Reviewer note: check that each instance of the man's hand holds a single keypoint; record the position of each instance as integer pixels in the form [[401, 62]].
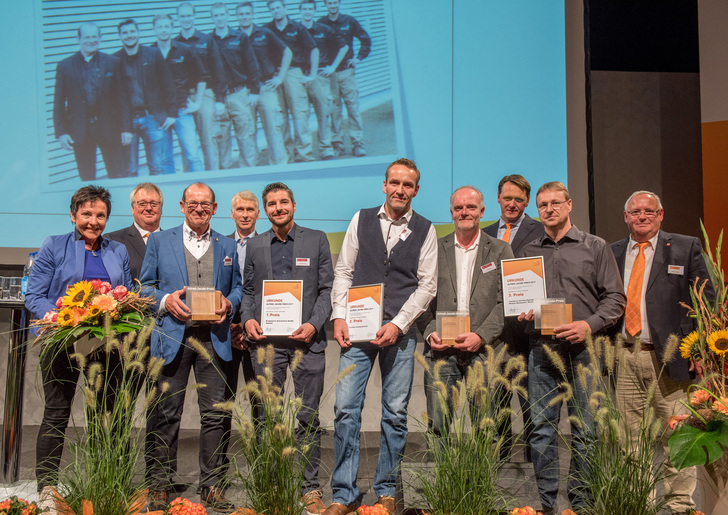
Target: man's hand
[[326, 71], [168, 122], [126, 138], [237, 337], [306, 79], [175, 307], [341, 333], [192, 107], [353, 62], [528, 317], [468, 342], [575, 332], [66, 142], [219, 109], [436, 342], [252, 100], [254, 331], [697, 367], [304, 333], [387, 335], [225, 309], [273, 82]]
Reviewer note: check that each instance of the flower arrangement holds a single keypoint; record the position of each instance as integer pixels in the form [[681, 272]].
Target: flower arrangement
[[182, 506], [17, 506], [85, 309], [705, 428], [377, 509], [526, 510]]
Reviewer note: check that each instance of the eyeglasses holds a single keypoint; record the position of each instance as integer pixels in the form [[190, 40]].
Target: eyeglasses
[[144, 204], [647, 213], [517, 200], [207, 206], [555, 205]]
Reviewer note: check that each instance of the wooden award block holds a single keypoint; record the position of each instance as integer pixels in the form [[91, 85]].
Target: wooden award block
[[450, 325], [554, 315], [203, 302]]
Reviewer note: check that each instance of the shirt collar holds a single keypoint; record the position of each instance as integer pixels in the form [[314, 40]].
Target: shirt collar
[[502, 223], [572, 234], [191, 235], [244, 240], [473, 246], [143, 231], [382, 213], [652, 241], [289, 236]]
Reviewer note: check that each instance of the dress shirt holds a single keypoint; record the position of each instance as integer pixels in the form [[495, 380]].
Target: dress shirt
[[464, 262], [514, 227], [581, 268], [242, 250], [417, 303], [144, 233], [281, 255], [630, 256]]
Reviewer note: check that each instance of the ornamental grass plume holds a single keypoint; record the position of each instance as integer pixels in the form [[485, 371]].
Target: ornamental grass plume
[[466, 455]]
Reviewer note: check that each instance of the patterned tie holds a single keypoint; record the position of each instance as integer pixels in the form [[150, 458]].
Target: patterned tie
[[507, 235], [633, 314]]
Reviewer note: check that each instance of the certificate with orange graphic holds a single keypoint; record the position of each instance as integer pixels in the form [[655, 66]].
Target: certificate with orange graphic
[[364, 312], [523, 283], [280, 313]]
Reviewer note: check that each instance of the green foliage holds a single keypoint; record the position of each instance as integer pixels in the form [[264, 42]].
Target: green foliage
[[690, 446]]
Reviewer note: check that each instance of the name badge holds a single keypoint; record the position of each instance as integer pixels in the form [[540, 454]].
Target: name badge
[[405, 234], [303, 261], [488, 268], [675, 269], [227, 261]]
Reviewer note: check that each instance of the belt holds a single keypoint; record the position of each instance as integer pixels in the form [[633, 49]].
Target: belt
[[642, 346], [140, 112], [235, 89]]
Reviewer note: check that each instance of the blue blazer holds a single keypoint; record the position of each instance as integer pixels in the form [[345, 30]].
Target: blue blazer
[[60, 263], [165, 270]]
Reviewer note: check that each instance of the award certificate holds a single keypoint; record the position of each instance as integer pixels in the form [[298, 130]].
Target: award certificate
[[364, 312], [280, 313], [523, 283]]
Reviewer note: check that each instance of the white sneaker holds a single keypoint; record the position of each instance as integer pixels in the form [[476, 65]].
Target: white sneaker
[[47, 501]]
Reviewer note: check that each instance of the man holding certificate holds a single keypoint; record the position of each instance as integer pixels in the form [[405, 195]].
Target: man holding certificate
[[394, 246], [580, 268], [469, 283], [287, 299]]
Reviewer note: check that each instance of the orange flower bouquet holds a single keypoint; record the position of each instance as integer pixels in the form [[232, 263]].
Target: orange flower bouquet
[[17, 506], [182, 506], [526, 510], [94, 309]]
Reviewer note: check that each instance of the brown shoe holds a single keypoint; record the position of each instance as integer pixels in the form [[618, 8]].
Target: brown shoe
[[213, 497], [313, 503], [336, 508], [158, 500], [387, 501]]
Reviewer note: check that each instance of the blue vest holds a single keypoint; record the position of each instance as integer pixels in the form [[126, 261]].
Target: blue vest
[[398, 270]]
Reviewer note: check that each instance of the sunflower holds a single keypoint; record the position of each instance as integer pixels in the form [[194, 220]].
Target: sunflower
[[65, 317], [93, 311], [718, 342], [686, 347], [78, 294]]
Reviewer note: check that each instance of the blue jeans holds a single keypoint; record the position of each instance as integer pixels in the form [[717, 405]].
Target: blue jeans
[[543, 385], [186, 131], [156, 147], [396, 363]]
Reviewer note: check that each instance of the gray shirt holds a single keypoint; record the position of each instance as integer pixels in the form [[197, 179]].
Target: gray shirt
[[581, 268]]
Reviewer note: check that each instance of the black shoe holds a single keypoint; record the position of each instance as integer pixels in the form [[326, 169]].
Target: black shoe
[[179, 487], [547, 511], [213, 497], [158, 501], [339, 149], [358, 150]]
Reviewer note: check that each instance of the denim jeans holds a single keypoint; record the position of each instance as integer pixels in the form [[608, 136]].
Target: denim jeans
[[543, 385], [396, 363], [186, 131], [156, 147]]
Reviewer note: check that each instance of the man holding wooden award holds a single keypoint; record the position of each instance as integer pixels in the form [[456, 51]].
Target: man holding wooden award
[[193, 274], [580, 269], [288, 276], [467, 313]]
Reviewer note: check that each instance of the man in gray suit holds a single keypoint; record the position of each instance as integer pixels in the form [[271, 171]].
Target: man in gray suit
[[658, 268], [468, 280], [517, 228], [290, 252], [146, 207]]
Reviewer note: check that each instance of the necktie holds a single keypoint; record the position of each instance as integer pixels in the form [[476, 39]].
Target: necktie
[[633, 314], [507, 235], [145, 238]]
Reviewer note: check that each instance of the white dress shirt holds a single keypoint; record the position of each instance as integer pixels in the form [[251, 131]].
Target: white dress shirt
[[144, 233], [630, 256], [417, 303], [464, 263]]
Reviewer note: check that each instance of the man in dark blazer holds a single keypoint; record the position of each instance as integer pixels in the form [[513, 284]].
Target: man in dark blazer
[[291, 252], [146, 208], [87, 106], [658, 269], [150, 99], [190, 255], [517, 228], [468, 280]]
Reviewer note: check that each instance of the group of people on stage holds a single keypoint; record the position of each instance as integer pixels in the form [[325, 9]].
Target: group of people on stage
[[634, 287], [199, 85]]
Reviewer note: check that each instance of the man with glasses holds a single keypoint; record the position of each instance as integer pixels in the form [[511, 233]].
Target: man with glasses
[[658, 268], [516, 228], [193, 255], [580, 268], [146, 208]]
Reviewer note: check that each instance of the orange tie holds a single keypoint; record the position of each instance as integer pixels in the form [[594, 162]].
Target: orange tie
[[507, 235], [633, 314]]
